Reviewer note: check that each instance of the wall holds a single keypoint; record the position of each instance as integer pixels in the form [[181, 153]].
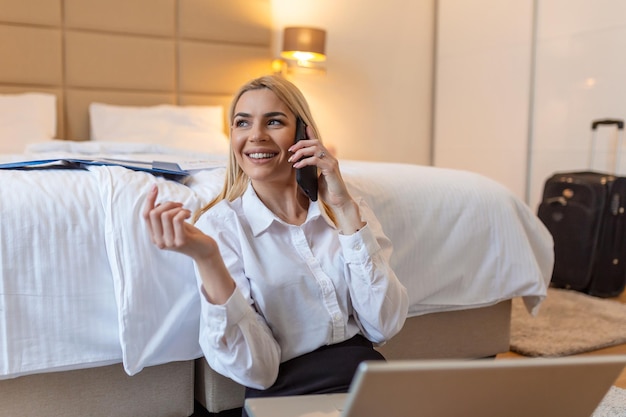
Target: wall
[[580, 70], [483, 85], [516, 83], [381, 94], [375, 101]]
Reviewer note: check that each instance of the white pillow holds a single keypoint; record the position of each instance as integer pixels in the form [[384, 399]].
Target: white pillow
[[194, 128], [25, 119]]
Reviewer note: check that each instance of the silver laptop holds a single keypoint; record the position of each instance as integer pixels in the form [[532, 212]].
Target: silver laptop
[[520, 387]]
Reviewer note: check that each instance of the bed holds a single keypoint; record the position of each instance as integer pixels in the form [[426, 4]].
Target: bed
[[92, 321]]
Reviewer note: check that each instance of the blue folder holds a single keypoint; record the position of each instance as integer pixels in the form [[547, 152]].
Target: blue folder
[[169, 170]]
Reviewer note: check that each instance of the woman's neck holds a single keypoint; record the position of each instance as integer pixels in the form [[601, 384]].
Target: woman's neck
[[288, 204]]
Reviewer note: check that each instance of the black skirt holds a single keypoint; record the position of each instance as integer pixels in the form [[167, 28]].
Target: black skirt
[[328, 369]]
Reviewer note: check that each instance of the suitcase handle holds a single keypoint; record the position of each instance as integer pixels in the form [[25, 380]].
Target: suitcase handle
[[617, 151], [618, 122]]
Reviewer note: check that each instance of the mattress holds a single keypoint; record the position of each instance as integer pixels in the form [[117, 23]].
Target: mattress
[[81, 285]]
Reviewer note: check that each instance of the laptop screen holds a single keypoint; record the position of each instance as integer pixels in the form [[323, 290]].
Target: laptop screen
[[519, 387], [523, 387]]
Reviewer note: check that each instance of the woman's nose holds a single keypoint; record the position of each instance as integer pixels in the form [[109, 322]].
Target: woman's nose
[[258, 133]]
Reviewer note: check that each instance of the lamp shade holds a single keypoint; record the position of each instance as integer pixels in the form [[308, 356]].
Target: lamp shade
[[304, 44]]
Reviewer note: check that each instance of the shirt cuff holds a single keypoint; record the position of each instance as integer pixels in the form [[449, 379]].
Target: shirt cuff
[[220, 317], [359, 247]]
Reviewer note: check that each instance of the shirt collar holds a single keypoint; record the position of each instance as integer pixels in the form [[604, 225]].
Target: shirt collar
[[260, 217]]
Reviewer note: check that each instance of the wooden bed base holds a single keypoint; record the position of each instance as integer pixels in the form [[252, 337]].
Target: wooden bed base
[[168, 390], [164, 390], [464, 334]]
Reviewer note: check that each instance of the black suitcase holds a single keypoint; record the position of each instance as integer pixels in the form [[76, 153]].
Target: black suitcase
[[584, 212]]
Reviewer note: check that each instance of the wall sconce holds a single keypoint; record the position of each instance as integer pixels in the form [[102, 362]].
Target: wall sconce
[[304, 49]]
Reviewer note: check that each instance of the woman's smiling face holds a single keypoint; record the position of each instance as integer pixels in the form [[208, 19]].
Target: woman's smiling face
[[263, 130]]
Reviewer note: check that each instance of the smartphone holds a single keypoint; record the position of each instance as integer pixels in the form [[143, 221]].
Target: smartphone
[[307, 176]]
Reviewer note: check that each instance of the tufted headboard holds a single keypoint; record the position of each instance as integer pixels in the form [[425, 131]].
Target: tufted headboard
[[131, 52]]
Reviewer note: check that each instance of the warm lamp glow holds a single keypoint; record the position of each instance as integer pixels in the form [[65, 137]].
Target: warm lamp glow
[[304, 44]]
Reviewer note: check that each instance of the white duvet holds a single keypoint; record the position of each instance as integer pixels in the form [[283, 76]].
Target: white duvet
[[81, 285]]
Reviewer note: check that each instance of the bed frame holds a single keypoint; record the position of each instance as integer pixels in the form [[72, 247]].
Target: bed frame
[[463, 334], [185, 52]]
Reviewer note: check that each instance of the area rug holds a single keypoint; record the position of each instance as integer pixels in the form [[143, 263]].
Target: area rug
[[568, 323]]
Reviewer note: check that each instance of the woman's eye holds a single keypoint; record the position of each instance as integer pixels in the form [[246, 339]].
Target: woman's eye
[[274, 122], [241, 123]]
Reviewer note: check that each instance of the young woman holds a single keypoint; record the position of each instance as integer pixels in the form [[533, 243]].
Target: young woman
[[294, 292]]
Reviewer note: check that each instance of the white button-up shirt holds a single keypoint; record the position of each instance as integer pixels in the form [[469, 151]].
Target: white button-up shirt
[[298, 288]]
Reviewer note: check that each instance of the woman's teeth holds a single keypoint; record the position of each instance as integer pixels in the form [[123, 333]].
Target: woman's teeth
[[259, 155]]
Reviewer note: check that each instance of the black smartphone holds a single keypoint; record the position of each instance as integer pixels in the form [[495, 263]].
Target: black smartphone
[[307, 176]]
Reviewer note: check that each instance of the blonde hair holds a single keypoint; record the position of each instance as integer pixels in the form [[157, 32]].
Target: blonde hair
[[236, 181]]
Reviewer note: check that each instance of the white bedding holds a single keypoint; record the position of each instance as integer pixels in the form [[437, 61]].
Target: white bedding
[[81, 285]]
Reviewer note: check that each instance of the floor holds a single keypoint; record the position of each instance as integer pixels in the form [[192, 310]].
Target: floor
[[202, 412], [615, 350]]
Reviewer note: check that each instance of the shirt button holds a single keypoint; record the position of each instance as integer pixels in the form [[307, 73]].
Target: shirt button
[[357, 246], [336, 317]]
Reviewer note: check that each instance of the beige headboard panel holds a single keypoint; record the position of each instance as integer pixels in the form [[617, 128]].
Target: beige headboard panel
[[131, 52]]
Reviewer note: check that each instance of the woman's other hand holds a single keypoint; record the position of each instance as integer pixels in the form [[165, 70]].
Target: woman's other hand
[[169, 229]]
